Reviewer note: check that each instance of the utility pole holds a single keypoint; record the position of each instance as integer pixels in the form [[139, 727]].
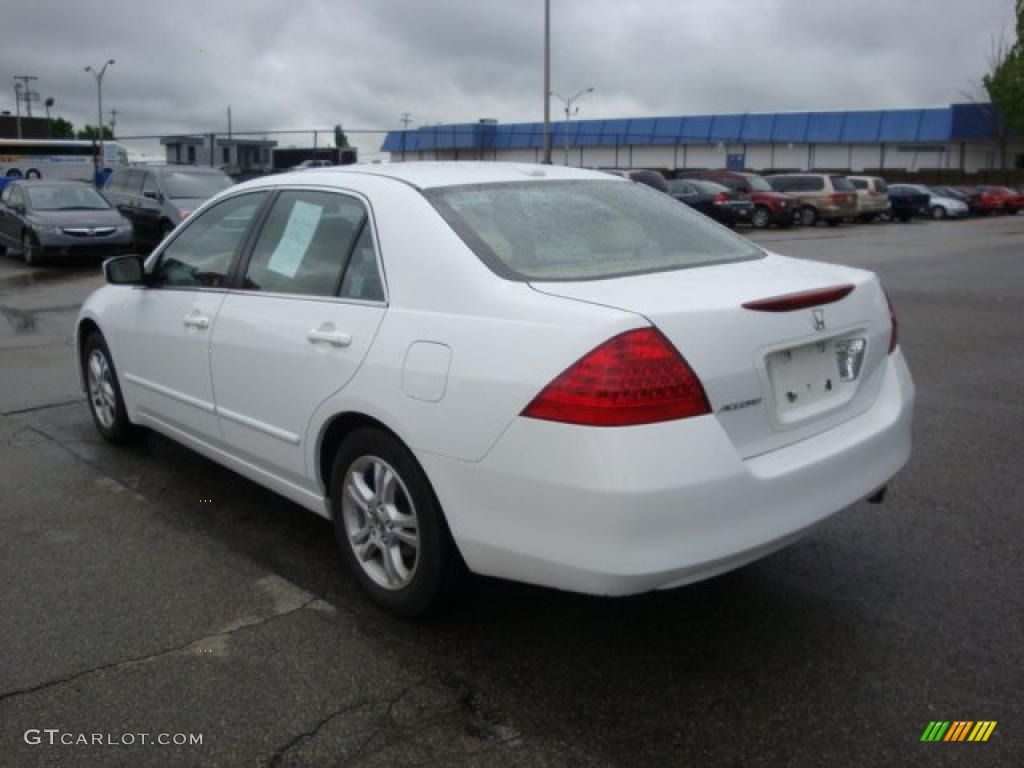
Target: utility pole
[[406, 119], [49, 126], [547, 82], [17, 104], [113, 121], [28, 94]]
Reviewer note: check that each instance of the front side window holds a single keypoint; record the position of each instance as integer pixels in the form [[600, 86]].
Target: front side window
[[583, 230], [149, 186], [758, 184], [201, 256], [133, 183], [305, 243]]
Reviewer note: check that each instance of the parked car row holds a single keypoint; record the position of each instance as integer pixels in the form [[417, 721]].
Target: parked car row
[[133, 212], [740, 197]]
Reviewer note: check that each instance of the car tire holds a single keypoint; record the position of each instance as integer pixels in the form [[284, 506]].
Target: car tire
[[31, 253], [808, 216], [14, 173], [400, 550], [938, 212], [904, 218], [833, 222], [32, 173], [103, 389], [761, 217]]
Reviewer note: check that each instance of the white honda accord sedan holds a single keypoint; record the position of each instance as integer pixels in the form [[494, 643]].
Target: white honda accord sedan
[[543, 374]]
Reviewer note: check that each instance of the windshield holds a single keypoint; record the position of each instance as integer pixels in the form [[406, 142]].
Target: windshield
[[73, 197], [583, 230], [759, 185], [203, 185]]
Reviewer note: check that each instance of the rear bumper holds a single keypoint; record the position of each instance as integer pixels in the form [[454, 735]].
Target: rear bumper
[[621, 511]]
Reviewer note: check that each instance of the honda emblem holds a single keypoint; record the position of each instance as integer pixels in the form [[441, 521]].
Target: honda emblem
[[818, 317]]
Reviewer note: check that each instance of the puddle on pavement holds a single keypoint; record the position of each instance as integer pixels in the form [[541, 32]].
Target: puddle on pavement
[[43, 277]]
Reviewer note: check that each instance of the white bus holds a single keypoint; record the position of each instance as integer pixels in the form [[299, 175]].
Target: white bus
[[56, 159]]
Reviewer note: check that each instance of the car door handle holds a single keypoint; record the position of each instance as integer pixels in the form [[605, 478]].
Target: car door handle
[[327, 333], [196, 320]]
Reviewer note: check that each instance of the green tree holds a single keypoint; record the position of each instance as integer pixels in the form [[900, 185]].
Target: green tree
[[89, 133], [1004, 85], [61, 129], [340, 139]]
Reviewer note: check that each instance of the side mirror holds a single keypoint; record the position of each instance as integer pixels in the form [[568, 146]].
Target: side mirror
[[124, 270]]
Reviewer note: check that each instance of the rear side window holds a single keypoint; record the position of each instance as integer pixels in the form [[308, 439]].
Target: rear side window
[[841, 184], [859, 183], [881, 186], [306, 243], [583, 230], [783, 183]]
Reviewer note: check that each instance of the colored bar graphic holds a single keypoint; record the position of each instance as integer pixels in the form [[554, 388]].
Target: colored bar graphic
[[958, 730], [935, 730]]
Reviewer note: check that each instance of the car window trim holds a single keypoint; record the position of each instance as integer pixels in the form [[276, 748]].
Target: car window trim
[[236, 282], [151, 264]]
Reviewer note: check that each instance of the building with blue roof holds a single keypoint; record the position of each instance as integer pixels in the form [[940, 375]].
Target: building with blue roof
[[958, 137]]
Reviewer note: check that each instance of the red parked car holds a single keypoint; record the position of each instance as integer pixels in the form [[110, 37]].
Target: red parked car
[[770, 207], [993, 199]]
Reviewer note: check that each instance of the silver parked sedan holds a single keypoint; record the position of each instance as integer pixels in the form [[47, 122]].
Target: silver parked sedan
[[60, 218]]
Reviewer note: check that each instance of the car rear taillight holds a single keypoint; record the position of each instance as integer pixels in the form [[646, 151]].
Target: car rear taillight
[[721, 198], [894, 334], [637, 377]]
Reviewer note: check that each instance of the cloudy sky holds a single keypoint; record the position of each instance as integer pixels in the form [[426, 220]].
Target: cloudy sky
[[314, 63]]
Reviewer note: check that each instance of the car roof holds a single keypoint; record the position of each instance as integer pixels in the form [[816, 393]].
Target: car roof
[[427, 175]]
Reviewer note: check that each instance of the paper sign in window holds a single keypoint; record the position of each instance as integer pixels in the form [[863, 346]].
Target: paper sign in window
[[295, 240]]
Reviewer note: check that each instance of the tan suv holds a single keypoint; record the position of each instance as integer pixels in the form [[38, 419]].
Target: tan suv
[[872, 197], [823, 196]]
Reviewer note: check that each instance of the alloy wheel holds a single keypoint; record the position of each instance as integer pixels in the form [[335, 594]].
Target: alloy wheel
[[381, 522], [102, 397]]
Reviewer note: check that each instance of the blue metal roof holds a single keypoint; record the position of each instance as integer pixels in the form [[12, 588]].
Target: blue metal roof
[[942, 124]]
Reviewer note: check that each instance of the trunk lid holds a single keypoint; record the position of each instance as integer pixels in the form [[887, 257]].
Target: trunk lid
[[772, 377]]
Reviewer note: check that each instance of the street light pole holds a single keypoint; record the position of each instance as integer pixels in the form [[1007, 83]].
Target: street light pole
[[569, 112], [547, 82], [99, 99]]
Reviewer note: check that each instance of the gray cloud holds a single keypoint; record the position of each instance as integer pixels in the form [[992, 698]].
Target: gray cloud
[[311, 63]]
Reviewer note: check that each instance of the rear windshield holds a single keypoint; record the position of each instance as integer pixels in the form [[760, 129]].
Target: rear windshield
[[182, 184], [583, 230], [759, 185], [841, 184], [881, 186]]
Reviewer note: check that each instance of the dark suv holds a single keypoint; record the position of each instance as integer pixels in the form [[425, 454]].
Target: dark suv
[[770, 206], [156, 198]]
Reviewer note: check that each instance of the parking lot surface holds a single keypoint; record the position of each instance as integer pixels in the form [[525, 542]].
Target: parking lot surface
[[148, 590]]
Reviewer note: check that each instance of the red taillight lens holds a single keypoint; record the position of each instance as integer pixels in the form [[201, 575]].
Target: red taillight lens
[[637, 377], [894, 334], [803, 300], [721, 198]]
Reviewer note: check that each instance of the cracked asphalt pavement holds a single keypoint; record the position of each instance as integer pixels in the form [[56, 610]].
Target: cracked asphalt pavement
[[129, 606]]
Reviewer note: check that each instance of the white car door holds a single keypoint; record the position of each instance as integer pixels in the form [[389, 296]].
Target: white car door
[[307, 309], [165, 327]]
